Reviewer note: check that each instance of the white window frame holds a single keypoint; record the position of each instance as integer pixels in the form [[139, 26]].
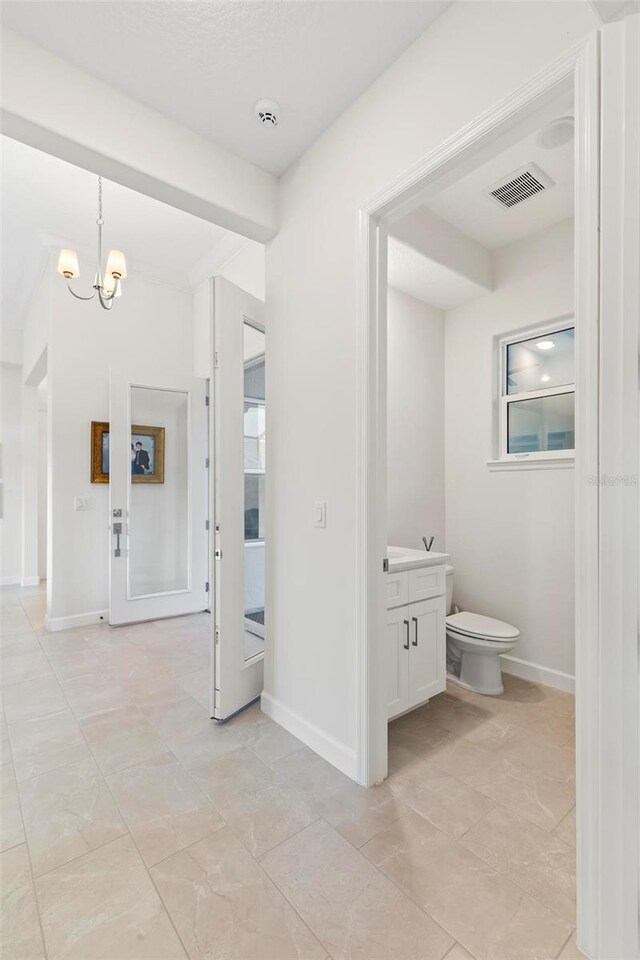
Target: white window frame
[[541, 457]]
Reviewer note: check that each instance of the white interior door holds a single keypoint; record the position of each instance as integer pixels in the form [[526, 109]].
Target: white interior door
[[157, 455], [239, 479]]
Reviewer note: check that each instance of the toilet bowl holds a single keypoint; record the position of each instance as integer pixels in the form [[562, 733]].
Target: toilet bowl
[[474, 646]]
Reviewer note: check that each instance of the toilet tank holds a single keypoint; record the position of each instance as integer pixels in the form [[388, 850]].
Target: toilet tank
[[448, 569]]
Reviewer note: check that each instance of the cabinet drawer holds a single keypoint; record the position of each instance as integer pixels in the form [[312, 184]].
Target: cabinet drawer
[[397, 589], [427, 582]]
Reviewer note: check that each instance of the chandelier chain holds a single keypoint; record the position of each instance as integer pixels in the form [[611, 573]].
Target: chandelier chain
[[100, 220]]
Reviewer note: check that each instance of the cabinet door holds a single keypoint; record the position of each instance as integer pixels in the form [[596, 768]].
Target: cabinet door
[[427, 660], [396, 644]]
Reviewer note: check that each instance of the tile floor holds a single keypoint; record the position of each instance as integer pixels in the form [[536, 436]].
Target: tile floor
[[133, 827]]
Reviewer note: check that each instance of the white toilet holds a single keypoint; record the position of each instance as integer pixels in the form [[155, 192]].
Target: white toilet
[[474, 645]]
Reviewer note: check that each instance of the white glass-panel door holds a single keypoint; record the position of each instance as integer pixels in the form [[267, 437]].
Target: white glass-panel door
[[239, 504], [157, 451]]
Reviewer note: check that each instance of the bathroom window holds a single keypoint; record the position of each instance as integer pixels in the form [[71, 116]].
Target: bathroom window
[[537, 394]]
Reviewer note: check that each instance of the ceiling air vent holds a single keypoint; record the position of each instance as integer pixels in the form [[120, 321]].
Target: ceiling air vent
[[520, 185]]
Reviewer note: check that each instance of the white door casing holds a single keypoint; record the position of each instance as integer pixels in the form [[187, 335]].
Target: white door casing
[[162, 567]]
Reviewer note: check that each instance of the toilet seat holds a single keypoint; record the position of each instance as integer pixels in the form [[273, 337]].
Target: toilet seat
[[475, 626]]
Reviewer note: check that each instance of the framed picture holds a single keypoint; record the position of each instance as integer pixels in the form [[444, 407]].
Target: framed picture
[[147, 453]]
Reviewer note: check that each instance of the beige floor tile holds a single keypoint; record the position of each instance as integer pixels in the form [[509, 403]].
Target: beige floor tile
[[33, 698], [484, 911], [417, 735], [40, 744], [124, 660], [458, 952], [20, 933], [69, 666], [566, 829], [355, 911], [542, 799], [67, 813], [226, 908], [153, 691], [537, 861], [266, 739], [11, 827], [164, 808], [448, 803], [545, 758], [103, 906], [178, 720], [24, 643], [22, 667], [91, 694], [358, 814], [216, 741], [544, 726], [65, 642], [571, 952], [253, 800], [121, 738], [198, 686]]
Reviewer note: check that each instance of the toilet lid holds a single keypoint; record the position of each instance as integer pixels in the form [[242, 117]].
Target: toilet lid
[[475, 625]]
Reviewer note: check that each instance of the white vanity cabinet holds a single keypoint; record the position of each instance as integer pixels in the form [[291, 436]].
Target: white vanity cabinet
[[415, 640]]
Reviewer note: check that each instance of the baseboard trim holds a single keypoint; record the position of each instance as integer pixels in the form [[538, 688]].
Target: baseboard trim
[[332, 750], [9, 581], [30, 582], [54, 624], [538, 674]]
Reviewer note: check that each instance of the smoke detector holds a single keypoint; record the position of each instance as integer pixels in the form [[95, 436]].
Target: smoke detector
[[520, 185], [267, 113]]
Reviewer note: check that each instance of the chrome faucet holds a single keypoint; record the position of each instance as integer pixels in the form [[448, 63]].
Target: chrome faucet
[[428, 543]]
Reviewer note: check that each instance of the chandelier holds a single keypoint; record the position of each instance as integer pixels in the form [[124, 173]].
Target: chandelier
[[107, 286]]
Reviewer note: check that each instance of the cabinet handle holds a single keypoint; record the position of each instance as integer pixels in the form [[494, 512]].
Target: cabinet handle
[[415, 642], [406, 645]]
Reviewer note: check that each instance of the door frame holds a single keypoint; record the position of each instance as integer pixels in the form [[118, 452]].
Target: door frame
[[605, 857]]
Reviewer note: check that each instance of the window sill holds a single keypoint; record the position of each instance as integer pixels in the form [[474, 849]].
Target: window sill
[[532, 463]]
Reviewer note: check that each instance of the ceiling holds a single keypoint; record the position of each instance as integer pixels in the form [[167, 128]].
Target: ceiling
[[47, 202], [205, 64], [465, 205]]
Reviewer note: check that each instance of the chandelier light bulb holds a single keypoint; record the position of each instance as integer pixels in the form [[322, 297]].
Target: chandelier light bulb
[[68, 264], [116, 265]]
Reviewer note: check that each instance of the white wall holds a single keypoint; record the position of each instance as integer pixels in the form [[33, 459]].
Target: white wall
[[150, 325], [415, 422], [11, 473], [471, 57], [510, 534]]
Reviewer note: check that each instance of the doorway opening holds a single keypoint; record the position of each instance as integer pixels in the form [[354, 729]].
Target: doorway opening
[[123, 426], [479, 627]]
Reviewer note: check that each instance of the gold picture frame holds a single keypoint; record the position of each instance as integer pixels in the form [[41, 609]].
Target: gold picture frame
[[147, 462]]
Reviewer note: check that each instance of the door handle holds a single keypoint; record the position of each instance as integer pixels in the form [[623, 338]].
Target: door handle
[[415, 640], [406, 644], [117, 530]]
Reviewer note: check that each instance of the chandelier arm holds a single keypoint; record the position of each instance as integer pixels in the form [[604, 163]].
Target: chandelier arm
[[105, 301], [77, 295]]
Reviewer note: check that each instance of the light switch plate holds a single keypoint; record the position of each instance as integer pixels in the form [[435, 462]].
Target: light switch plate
[[81, 503], [320, 513]]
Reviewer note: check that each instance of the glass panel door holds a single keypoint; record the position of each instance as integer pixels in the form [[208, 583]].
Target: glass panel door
[[158, 449], [254, 486]]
